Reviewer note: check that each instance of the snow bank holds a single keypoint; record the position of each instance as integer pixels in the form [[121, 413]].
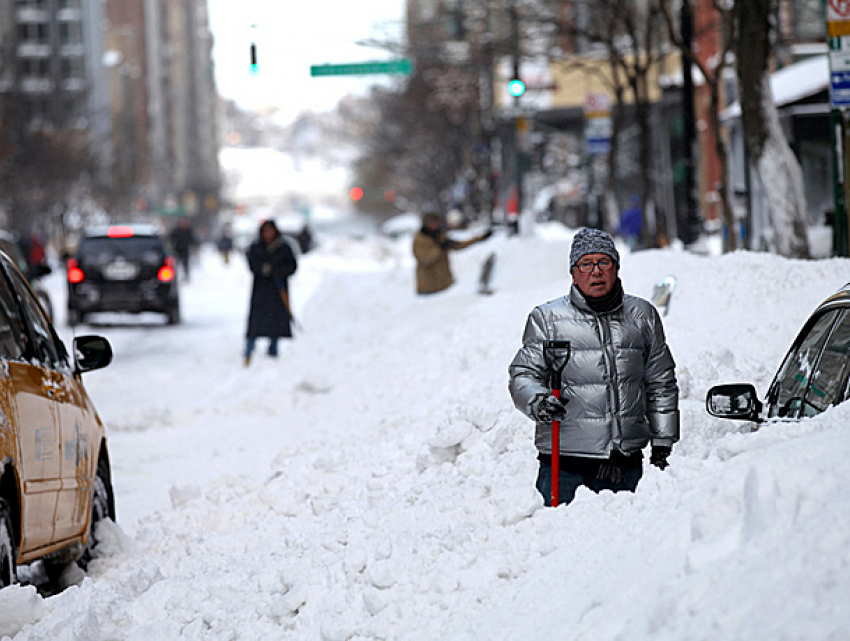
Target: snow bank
[[377, 483]]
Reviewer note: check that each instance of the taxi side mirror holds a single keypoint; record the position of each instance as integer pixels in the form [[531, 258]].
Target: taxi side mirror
[[91, 353]]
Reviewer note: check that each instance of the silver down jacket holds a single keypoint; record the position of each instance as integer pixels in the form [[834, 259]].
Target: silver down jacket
[[620, 378]]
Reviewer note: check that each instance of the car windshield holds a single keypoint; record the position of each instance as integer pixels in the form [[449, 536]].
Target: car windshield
[[800, 367], [135, 249]]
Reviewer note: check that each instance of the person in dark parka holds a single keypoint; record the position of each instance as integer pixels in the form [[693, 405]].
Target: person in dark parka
[[272, 262]]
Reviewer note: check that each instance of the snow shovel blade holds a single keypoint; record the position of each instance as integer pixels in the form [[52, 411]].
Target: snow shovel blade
[[553, 353], [662, 293], [486, 277]]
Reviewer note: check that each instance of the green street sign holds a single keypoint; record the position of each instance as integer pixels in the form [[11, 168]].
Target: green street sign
[[400, 66]]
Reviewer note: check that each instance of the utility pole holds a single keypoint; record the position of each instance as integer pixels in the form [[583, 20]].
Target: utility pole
[[838, 32], [690, 230], [838, 136]]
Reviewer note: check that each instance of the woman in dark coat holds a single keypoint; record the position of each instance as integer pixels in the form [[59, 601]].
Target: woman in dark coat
[[272, 262]]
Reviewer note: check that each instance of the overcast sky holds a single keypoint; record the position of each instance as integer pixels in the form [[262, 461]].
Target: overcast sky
[[291, 35]]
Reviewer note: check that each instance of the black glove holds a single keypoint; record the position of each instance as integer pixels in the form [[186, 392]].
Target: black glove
[[659, 456], [447, 244], [545, 408]]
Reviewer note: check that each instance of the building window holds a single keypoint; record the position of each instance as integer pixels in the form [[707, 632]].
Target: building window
[[71, 67], [34, 67], [30, 32], [71, 109], [38, 110], [807, 21], [69, 33]]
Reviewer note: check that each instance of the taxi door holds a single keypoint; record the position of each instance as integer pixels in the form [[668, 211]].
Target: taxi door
[[32, 419], [79, 456], [73, 431]]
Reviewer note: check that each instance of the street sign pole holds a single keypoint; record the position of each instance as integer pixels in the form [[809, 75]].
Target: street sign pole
[[597, 137], [838, 32]]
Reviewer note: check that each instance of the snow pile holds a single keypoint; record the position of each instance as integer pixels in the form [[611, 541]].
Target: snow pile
[[377, 482]]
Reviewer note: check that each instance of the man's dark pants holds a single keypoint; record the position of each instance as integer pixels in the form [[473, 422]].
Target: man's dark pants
[[570, 482]]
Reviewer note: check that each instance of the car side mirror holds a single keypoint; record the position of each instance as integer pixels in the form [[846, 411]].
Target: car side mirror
[[737, 401], [41, 270], [91, 353]]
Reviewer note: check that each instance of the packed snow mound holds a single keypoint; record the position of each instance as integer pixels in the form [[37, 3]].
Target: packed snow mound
[[377, 482]]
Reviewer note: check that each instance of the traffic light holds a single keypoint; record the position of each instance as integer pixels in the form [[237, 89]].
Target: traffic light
[[516, 87], [254, 66]]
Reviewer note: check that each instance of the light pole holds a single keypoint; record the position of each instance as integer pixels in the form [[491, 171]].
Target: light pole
[[513, 223], [691, 229]]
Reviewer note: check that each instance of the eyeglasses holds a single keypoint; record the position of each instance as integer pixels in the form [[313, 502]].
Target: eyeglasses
[[586, 266]]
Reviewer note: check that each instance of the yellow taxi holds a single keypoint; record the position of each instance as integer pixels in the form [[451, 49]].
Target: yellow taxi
[[55, 477]]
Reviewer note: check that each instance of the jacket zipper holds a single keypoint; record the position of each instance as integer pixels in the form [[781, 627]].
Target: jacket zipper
[[610, 363]]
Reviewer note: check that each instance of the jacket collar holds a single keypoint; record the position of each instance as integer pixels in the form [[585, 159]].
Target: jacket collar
[[579, 301]]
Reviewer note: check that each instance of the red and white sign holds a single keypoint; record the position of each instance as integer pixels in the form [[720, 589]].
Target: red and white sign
[[837, 10], [599, 103]]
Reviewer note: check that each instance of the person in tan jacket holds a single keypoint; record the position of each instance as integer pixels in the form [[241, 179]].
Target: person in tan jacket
[[431, 247]]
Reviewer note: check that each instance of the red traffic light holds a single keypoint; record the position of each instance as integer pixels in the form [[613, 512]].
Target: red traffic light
[[356, 193]]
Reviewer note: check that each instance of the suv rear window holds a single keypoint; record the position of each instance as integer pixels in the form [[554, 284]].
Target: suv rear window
[[135, 249]]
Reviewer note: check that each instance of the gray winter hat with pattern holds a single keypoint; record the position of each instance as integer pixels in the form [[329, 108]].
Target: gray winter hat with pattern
[[592, 241]]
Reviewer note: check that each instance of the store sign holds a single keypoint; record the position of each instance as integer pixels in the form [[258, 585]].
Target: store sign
[[839, 72], [838, 18]]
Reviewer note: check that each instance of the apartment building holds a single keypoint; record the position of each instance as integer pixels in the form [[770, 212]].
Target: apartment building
[[136, 76]]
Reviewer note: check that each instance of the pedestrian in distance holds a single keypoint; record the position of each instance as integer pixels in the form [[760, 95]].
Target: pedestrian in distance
[[431, 247], [183, 242], [616, 389], [630, 226], [225, 244], [272, 262]]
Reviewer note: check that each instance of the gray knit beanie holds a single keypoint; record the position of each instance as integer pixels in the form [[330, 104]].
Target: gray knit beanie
[[592, 241]]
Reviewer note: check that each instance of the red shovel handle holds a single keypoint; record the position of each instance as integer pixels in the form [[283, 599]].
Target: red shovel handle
[[556, 353], [556, 455]]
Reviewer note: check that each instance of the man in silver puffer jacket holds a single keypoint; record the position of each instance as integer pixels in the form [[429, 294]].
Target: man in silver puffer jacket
[[618, 388]]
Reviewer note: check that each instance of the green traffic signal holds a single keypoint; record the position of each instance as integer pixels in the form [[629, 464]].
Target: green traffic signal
[[254, 67], [516, 87]]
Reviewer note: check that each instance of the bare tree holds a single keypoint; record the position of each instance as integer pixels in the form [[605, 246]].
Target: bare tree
[[40, 169], [423, 136], [721, 26], [409, 149], [771, 157], [629, 34]]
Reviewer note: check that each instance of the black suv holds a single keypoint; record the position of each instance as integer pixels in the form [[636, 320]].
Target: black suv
[[122, 268], [814, 376]]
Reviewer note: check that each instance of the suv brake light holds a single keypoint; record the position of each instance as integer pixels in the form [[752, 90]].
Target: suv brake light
[[166, 273], [75, 274], [119, 231]]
